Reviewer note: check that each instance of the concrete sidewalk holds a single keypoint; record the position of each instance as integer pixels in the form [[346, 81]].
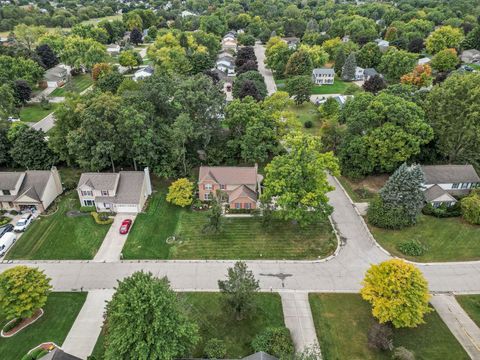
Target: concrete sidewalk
[[459, 323], [299, 320], [84, 333], [113, 243]]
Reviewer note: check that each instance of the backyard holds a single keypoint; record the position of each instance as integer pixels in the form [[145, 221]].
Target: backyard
[[76, 84], [471, 304], [35, 112], [61, 311], [447, 239], [239, 238], [58, 236], [342, 322], [307, 112]]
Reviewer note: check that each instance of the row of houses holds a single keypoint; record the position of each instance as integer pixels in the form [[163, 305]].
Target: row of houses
[[326, 76]]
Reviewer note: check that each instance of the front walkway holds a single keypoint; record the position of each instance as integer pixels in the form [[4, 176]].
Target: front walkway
[[84, 333], [459, 323], [299, 320], [113, 243]]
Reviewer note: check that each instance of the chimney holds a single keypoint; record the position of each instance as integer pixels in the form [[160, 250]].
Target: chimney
[[148, 182]]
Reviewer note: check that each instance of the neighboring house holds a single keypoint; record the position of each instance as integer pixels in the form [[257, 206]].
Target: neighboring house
[[113, 49], [443, 182], [292, 42], [29, 190], [186, 13], [230, 35], [229, 44], [323, 76], [382, 44], [342, 99], [346, 38], [471, 56], [369, 73], [359, 73], [424, 61], [226, 64], [122, 192], [143, 73], [55, 77], [240, 184], [260, 356], [58, 354]]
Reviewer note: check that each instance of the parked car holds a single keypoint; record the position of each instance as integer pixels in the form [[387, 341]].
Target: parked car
[[23, 223], [13, 119], [125, 227], [6, 241], [6, 228]]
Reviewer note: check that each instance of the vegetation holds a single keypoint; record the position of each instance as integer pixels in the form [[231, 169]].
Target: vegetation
[[471, 207], [35, 112], [76, 84], [275, 341], [471, 304], [180, 192]]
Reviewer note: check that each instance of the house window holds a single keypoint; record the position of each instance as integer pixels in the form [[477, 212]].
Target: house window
[[87, 193], [222, 187], [238, 206], [248, 206], [6, 192], [464, 185], [106, 205], [208, 186], [455, 186], [88, 202], [206, 196], [104, 192]]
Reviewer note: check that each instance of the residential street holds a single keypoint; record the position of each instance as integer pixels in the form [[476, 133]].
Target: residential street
[[267, 73], [46, 123]]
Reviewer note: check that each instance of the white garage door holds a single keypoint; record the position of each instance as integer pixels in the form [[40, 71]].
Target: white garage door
[[127, 209]]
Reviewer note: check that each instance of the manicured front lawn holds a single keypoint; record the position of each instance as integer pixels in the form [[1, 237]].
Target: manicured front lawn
[[34, 112], [449, 239], [77, 84], [58, 236], [342, 322], [239, 238], [307, 112], [471, 304], [61, 311], [338, 87]]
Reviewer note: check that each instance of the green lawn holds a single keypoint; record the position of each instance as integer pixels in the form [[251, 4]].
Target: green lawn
[[471, 304], [60, 313], [58, 236], [338, 87], [34, 112], [77, 84], [216, 321], [449, 239], [342, 322], [245, 238], [307, 112]]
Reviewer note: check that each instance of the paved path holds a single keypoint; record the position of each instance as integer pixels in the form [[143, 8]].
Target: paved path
[[459, 323], [299, 320], [85, 330], [267, 73], [112, 245], [46, 123]]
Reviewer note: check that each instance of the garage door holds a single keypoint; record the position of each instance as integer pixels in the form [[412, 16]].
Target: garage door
[[127, 209]]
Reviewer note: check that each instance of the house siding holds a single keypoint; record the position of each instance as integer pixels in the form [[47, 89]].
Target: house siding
[[243, 201], [52, 189]]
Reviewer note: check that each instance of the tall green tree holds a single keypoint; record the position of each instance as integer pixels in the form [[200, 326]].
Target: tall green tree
[[144, 321], [396, 63], [339, 61], [369, 55], [30, 150], [300, 87], [299, 63], [445, 60], [239, 290], [444, 37], [349, 68]]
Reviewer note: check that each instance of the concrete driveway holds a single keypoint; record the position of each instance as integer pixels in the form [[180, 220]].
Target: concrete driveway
[[45, 124], [113, 243], [267, 73]]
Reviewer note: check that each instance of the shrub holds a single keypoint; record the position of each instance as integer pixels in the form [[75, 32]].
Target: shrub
[[308, 124], [87, 209], [9, 326], [387, 217], [4, 220], [102, 218], [443, 211], [35, 354], [380, 337], [215, 349], [13, 212], [240, 211], [274, 341], [70, 184], [412, 248], [471, 207], [402, 353], [45, 103], [364, 193]]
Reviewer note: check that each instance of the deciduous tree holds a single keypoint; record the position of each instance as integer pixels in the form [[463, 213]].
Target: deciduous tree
[[300, 87], [444, 37], [445, 60], [23, 91], [46, 54], [30, 150], [299, 63], [420, 76], [180, 192], [396, 63], [136, 36]]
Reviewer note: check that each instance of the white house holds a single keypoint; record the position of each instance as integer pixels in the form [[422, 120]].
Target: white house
[[443, 182], [292, 42], [55, 77], [113, 49], [369, 73], [226, 64], [359, 73], [143, 73], [382, 44], [229, 44], [186, 13], [122, 192], [423, 61], [323, 76]]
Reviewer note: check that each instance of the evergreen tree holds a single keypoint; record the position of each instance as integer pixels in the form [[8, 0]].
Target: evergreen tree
[[136, 36], [348, 69], [339, 61]]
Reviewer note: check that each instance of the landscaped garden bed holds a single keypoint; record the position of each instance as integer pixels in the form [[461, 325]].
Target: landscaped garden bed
[[342, 322], [16, 325]]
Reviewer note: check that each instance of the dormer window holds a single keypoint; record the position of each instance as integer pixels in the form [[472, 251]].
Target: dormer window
[[6, 192], [208, 186], [104, 192], [87, 193]]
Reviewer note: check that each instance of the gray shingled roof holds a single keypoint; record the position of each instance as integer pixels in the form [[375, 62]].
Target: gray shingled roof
[[324, 71], [229, 175], [8, 179], [129, 188], [260, 356], [33, 185], [58, 354], [450, 174], [435, 192], [370, 72], [99, 181]]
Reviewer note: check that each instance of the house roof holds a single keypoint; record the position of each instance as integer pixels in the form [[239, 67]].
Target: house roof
[[33, 185], [323, 71], [260, 356], [449, 174], [100, 181], [58, 354], [55, 74], [148, 70], [436, 192], [370, 72], [229, 175], [8, 179], [242, 191], [129, 188]]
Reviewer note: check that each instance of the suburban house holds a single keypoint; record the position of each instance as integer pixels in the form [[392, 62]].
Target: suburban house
[[292, 42], [359, 73], [369, 73], [59, 354], [55, 77], [323, 76], [471, 56], [443, 182], [122, 192], [342, 99], [113, 49], [423, 61], [226, 64], [29, 190], [240, 184], [229, 44], [383, 45], [143, 73]]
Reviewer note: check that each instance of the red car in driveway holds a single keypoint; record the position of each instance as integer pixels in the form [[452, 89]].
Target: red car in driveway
[[126, 224]]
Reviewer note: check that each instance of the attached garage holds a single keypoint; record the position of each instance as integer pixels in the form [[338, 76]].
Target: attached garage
[[127, 208]]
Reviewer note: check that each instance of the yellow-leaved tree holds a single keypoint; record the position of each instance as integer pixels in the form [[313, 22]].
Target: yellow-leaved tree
[[398, 293], [180, 192]]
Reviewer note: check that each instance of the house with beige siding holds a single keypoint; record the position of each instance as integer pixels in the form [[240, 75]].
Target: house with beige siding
[[241, 185], [122, 192], [31, 190]]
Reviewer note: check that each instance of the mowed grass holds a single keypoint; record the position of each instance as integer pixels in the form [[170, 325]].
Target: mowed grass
[[342, 322], [338, 87], [77, 84], [307, 112], [471, 304], [448, 239], [239, 238], [34, 112], [58, 236], [61, 311]]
